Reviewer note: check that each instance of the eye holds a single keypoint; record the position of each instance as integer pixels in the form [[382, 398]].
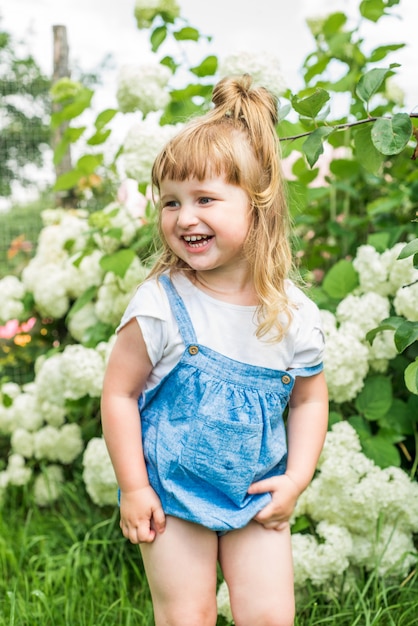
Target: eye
[[170, 204], [205, 200]]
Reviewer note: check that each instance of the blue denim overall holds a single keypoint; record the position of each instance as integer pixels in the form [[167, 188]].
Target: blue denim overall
[[210, 428]]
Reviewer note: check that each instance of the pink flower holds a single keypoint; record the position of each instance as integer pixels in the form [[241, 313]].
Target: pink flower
[[12, 328]]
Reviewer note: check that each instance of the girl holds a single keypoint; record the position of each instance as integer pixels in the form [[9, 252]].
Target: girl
[[214, 344]]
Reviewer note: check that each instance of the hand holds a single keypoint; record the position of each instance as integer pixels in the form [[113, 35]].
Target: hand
[[284, 493], [142, 516]]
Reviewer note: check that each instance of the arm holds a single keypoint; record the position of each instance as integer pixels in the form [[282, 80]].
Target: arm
[[306, 430], [127, 371]]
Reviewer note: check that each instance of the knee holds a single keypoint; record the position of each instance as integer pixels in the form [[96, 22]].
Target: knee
[[186, 615], [266, 617]]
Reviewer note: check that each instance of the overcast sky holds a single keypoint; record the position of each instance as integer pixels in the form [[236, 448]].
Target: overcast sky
[[98, 27]]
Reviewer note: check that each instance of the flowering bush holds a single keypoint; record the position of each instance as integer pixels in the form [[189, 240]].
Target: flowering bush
[[143, 88], [358, 515], [360, 510], [147, 10]]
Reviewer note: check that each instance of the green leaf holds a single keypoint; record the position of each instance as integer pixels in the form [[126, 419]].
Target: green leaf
[[370, 83], [157, 37], [104, 118], [313, 147], [87, 164], [169, 62], [372, 9], [405, 335], [390, 323], [207, 67], [408, 250], [375, 399], [381, 52], [82, 300], [381, 451], [310, 105], [341, 279], [366, 153], [118, 262], [187, 33], [67, 181], [391, 136], [99, 137], [80, 103]]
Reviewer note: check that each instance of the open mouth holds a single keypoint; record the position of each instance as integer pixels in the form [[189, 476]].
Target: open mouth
[[197, 241]]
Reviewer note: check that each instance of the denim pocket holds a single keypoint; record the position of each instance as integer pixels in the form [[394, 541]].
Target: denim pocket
[[224, 454]]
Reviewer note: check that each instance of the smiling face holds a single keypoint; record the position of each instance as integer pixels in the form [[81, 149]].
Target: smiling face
[[205, 223]]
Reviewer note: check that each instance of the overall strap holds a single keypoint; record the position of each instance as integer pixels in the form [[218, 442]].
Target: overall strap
[[179, 311]]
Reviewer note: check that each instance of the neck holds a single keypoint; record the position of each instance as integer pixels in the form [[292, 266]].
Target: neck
[[236, 290]]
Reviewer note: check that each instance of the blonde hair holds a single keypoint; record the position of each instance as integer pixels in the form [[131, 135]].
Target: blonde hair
[[237, 139]]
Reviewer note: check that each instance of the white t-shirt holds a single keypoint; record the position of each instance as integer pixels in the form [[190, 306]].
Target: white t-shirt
[[226, 328]]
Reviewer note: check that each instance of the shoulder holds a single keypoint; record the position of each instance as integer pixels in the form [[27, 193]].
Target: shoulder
[[303, 307], [149, 300]]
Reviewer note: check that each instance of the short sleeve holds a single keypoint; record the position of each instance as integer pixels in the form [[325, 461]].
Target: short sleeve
[[150, 308], [309, 335]]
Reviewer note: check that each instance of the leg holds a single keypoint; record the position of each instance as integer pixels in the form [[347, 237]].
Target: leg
[[257, 566], [181, 570]]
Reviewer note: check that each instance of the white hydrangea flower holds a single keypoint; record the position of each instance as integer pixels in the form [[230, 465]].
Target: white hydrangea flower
[[17, 472], [22, 443], [48, 283], [9, 389], [264, 68], [382, 350], [400, 271], [121, 218], [46, 441], [98, 474], [364, 312], [372, 270], [321, 561], [82, 320], [104, 348], [85, 275], [70, 443], [146, 10], [82, 371], [6, 420], [50, 384], [12, 291], [392, 554], [55, 216], [53, 414], [111, 301], [223, 602], [345, 365], [329, 322], [135, 274], [24, 412], [47, 486], [142, 144], [406, 302], [377, 507], [143, 88]]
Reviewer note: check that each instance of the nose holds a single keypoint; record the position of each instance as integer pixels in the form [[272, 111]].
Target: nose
[[186, 216]]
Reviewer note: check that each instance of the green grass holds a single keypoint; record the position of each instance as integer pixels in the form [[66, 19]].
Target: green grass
[[70, 566]]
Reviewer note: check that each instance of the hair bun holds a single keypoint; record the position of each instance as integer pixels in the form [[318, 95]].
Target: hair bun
[[235, 96]]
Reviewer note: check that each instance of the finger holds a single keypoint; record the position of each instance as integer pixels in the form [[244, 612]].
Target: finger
[[261, 486], [159, 520]]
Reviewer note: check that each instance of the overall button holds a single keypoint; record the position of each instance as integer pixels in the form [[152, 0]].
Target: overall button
[[193, 350], [286, 379]]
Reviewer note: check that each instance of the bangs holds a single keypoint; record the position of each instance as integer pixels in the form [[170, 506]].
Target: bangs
[[205, 151]]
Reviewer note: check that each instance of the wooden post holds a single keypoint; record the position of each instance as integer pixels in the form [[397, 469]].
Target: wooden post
[[61, 70]]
